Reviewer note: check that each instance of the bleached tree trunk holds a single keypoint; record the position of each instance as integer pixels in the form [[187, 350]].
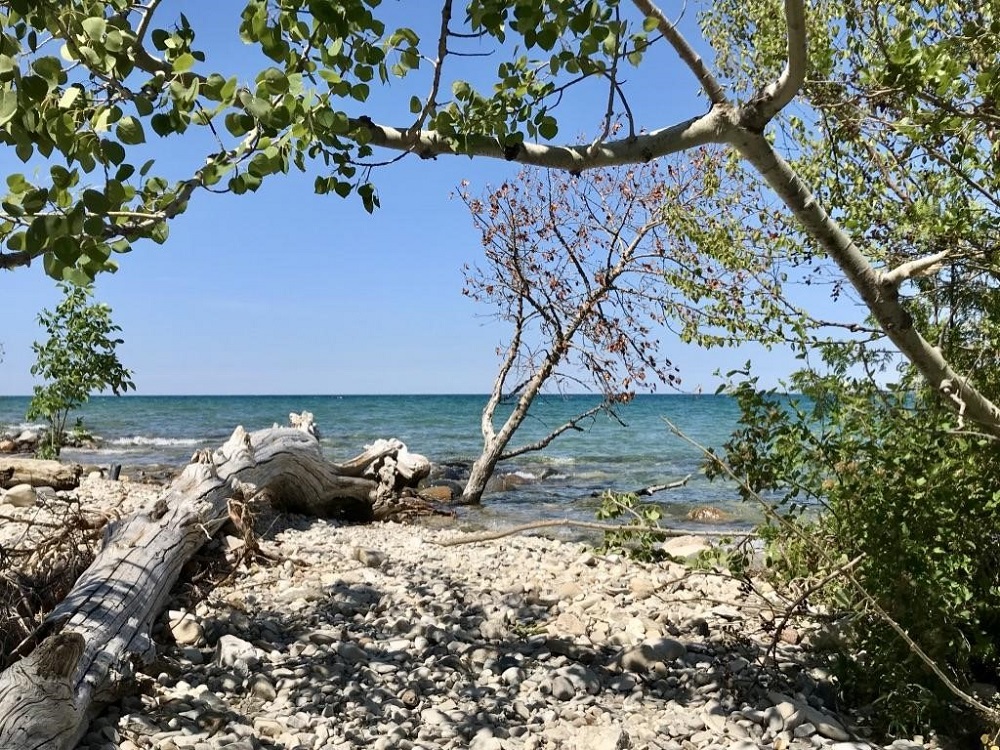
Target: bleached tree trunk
[[48, 698]]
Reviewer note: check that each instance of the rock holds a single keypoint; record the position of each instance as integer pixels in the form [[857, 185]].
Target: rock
[[582, 679], [605, 738], [21, 496], [648, 654], [708, 514], [562, 689], [8, 446], [27, 438], [262, 688], [370, 558], [642, 587], [186, 630], [826, 726], [568, 624], [685, 546], [236, 653], [438, 493], [352, 653]]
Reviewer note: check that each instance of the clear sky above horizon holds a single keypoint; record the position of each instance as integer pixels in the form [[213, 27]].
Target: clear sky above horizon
[[286, 292]]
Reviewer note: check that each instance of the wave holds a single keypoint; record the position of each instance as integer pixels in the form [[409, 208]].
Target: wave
[[22, 426], [158, 442]]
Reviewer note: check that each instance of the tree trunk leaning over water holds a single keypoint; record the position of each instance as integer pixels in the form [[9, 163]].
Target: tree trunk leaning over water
[[48, 698]]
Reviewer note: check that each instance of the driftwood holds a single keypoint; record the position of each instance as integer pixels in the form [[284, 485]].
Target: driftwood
[[101, 630], [567, 523], [653, 488], [38, 473]]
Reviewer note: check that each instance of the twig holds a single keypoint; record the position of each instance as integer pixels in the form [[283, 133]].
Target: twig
[[566, 522], [789, 611], [969, 700], [652, 489]]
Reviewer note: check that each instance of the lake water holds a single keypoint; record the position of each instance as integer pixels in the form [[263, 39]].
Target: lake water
[[560, 482]]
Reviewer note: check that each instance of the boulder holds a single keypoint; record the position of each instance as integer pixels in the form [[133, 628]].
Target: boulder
[[8, 446], [438, 493], [685, 546], [28, 437], [21, 496]]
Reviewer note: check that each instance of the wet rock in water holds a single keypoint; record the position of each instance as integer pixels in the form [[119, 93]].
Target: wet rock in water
[[438, 493], [709, 514]]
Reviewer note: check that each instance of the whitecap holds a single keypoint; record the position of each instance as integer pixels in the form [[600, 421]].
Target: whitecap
[[140, 440]]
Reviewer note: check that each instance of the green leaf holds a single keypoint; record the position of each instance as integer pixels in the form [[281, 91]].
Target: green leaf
[[8, 106], [183, 63], [130, 131], [69, 96], [94, 27], [159, 232]]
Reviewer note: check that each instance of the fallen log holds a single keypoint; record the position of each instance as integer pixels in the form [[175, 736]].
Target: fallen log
[[100, 633], [38, 473]]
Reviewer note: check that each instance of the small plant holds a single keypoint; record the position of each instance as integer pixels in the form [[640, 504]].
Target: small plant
[[78, 359], [635, 540]]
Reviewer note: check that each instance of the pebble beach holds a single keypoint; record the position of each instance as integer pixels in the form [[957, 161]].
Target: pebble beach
[[341, 637]]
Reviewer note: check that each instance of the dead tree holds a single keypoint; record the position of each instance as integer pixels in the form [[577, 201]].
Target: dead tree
[[101, 631]]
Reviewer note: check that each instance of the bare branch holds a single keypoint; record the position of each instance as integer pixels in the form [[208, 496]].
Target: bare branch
[[573, 424], [442, 52], [925, 266], [565, 522], [712, 87]]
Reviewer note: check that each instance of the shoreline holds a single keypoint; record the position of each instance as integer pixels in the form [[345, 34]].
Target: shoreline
[[377, 636]]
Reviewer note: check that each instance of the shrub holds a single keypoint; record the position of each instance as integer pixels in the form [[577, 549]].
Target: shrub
[[78, 359], [857, 469]]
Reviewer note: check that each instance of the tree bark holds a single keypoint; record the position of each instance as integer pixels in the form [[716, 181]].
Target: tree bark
[[38, 473], [48, 698]]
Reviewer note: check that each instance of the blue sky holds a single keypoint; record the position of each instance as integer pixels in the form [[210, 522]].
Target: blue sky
[[286, 292]]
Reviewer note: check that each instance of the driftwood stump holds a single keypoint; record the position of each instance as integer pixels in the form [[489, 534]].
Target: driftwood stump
[[48, 698], [38, 473]]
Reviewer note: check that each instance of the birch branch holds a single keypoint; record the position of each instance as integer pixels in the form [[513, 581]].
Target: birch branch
[[779, 93], [713, 89], [925, 266]]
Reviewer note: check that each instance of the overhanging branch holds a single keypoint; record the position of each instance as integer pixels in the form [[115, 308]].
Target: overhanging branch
[[712, 127]]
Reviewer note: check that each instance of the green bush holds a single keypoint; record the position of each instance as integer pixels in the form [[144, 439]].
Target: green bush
[[857, 469], [77, 359]]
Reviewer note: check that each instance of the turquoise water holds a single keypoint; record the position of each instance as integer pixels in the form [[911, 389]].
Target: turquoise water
[[559, 482]]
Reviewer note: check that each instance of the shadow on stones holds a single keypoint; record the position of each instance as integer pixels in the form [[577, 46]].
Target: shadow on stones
[[448, 664]]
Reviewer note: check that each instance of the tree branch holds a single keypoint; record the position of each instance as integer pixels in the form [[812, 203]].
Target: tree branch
[[776, 95], [565, 522], [712, 87], [919, 267], [442, 52], [712, 127], [573, 424]]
